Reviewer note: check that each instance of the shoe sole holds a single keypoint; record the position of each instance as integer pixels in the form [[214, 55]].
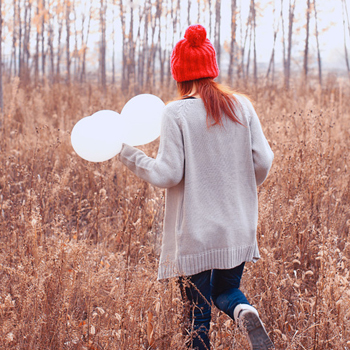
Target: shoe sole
[[256, 332]]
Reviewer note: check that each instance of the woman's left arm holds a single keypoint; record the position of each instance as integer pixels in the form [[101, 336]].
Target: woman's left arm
[[168, 168]]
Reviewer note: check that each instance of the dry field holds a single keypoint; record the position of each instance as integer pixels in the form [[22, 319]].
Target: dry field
[[80, 241]]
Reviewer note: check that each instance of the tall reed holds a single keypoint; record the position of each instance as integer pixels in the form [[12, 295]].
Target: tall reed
[[79, 242]]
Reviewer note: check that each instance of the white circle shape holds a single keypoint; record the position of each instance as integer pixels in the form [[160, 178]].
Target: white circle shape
[[97, 138], [142, 116]]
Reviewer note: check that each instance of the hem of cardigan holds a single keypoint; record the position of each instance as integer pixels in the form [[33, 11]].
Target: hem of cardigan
[[226, 258]]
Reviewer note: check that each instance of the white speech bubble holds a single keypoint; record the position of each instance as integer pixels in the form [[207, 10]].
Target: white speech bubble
[[142, 116], [99, 137]]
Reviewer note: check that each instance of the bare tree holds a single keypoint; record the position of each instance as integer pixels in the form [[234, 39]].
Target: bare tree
[[124, 46], [143, 49], [26, 40], [43, 53], [151, 56], [271, 67], [283, 40], [199, 12], [254, 40], [173, 19], [50, 38], [318, 47], [60, 19], [84, 42], [75, 52], [14, 41], [210, 24], [19, 38], [1, 89], [241, 69], [157, 17], [122, 20], [188, 12], [131, 49], [36, 56], [103, 10], [249, 50], [290, 42], [217, 31], [161, 51], [345, 17], [113, 41], [233, 38], [68, 4], [306, 50]]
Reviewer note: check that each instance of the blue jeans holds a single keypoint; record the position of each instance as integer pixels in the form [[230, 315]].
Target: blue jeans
[[220, 286]]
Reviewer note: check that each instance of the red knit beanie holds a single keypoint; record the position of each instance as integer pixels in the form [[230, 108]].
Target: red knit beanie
[[194, 56]]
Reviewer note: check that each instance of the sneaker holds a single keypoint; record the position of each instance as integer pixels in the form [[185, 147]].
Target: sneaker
[[259, 340]]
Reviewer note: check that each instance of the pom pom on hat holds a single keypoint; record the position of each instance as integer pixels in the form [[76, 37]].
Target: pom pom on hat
[[196, 35], [194, 57]]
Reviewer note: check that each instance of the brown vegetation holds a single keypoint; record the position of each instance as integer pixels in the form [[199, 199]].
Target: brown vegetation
[[79, 241]]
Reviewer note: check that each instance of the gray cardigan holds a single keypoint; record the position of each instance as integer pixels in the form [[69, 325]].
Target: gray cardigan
[[210, 174]]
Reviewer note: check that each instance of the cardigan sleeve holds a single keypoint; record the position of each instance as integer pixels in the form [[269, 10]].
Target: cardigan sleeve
[[262, 153], [168, 168]]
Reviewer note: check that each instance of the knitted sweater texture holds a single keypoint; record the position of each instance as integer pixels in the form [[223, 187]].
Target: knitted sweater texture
[[211, 174]]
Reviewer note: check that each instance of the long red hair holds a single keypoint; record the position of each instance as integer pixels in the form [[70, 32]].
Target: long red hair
[[218, 99]]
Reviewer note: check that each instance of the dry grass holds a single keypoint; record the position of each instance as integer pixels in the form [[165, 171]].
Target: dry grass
[[79, 241]]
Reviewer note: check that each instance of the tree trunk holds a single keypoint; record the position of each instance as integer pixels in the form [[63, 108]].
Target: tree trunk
[[23, 67], [26, 40], [19, 39], [345, 47], [233, 39], [283, 42], [67, 41], [161, 53], [36, 57], [240, 46], [43, 55], [1, 89], [113, 41], [198, 12], [76, 55], [306, 50], [58, 62], [218, 30], [242, 69], [14, 42], [50, 38], [210, 20], [141, 47], [170, 3], [103, 4], [318, 47], [249, 50], [151, 53], [290, 37], [254, 42], [272, 59], [189, 12], [84, 43], [143, 52], [154, 45], [131, 50], [124, 62]]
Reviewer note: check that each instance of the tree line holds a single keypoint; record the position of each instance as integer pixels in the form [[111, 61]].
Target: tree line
[[50, 39]]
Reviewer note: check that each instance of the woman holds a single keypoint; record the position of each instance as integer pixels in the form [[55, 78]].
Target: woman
[[211, 157]]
